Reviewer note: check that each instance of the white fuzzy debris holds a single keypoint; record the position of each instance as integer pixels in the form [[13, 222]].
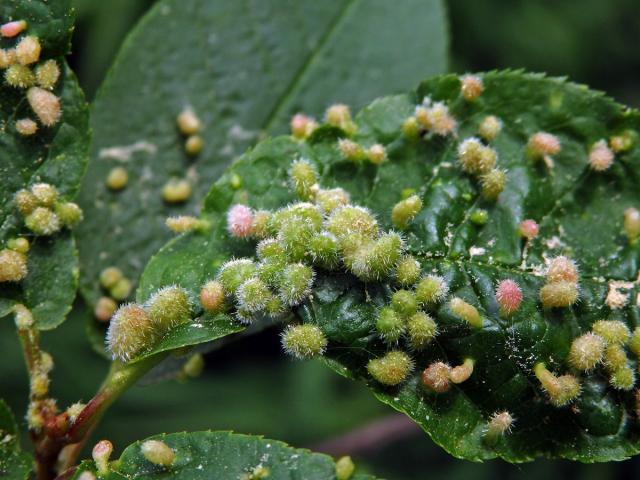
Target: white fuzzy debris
[[125, 152], [476, 251], [615, 298]]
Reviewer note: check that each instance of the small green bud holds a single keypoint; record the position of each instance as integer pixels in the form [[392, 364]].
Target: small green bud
[[404, 302], [559, 294], [303, 176], [623, 142], [323, 248], [431, 289], [45, 194], [351, 150], [104, 309], [623, 378], [110, 276], [47, 74], [405, 211], [632, 224], [131, 331], [407, 271], [158, 453], [234, 273], [332, 199], [411, 128], [436, 377], [421, 330], [295, 283], [176, 190], [344, 468], [499, 424], [169, 307], [101, 453], [466, 312], [121, 290], [489, 128], [561, 390], [69, 213], [351, 219], [493, 183], [476, 158], [13, 266], [117, 179], [193, 367], [253, 295], [612, 331], [19, 76], [304, 341], [390, 325], [586, 351], [20, 245], [391, 369], [42, 221], [25, 201], [479, 216], [462, 372], [212, 297]]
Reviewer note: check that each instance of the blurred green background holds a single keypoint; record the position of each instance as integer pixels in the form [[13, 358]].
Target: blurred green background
[[249, 386]]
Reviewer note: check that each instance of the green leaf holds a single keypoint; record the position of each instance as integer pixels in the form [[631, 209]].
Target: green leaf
[[57, 155], [245, 67], [14, 464], [204, 455], [580, 213]]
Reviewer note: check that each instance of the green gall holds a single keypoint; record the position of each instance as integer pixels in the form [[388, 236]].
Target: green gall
[[69, 213], [296, 213], [499, 424], [431, 289], [389, 325], [235, 181], [405, 211], [104, 309], [185, 223], [489, 128], [303, 176], [193, 145], [295, 282], [421, 330], [391, 369], [101, 453], [344, 468], [212, 297], [270, 248], [404, 302], [121, 290], [614, 358], [304, 341], [559, 294], [13, 266], [253, 295], [270, 270], [117, 179], [295, 237], [476, 158], [411, 128], [331, 199], [176, 190], [131, 331], [407, 271], [632, 224], [436, 377], [42, 221], [110, 276], [561, 390], [465, 311], [471, 86], [19, 76], [562, 269], [234, 273], [376, 154], [373, 260], [462, 372], [188, 122], [351, 150], [45, 105], [158, 453], [352, 219], [623, 379], [169, 307], [26, 127], [47, 74], [623, 142], [612, 331], [586, 352], [26, 202], [634, 342], [20, 245], [45, 194], [28, 50], [260, 226], [493, 183], [323, 248], [479, 216], [274, 307]]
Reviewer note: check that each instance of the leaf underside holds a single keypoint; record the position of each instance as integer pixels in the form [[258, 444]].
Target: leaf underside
[[207, 455], [57, 155], [580, 213], [245, 67]]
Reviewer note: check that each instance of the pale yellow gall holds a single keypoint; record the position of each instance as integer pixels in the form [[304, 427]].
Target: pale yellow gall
[[26, 126], [45, 105]]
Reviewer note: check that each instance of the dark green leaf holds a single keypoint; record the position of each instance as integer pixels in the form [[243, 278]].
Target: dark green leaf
[[14, 464]]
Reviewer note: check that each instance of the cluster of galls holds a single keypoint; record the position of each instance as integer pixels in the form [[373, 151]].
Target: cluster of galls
[[113, 281], [134, 328], [17, 63], [13, 260], [44, 212]]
